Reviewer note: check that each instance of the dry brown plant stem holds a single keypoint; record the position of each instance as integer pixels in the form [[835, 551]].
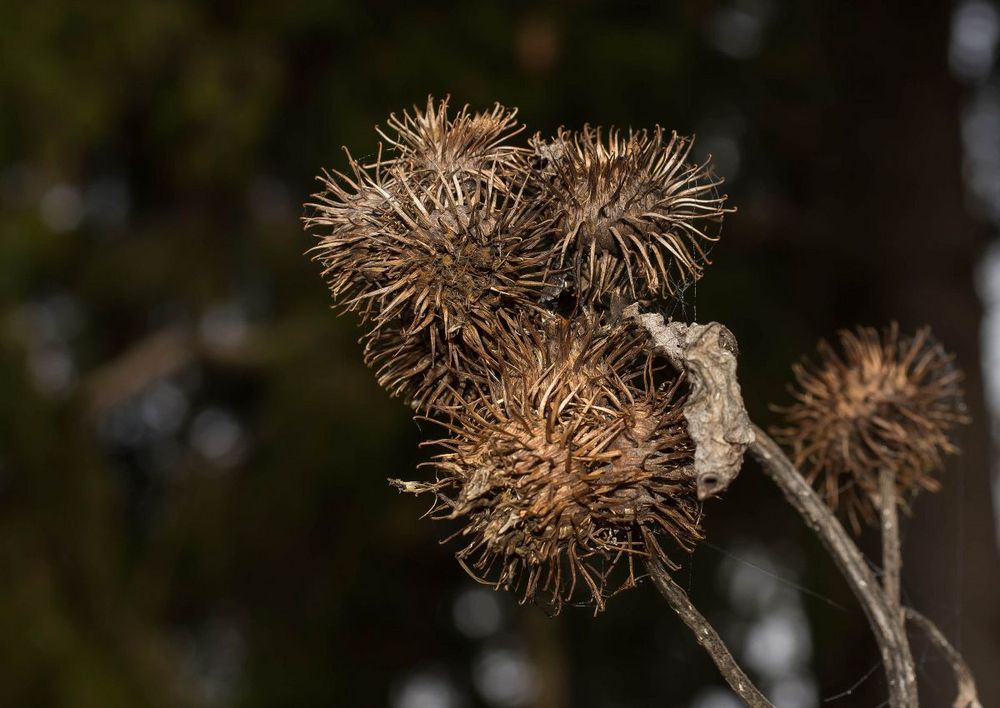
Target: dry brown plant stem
[[892, 560], [887, 503], [893, 646], [706, 635], [967, 696]]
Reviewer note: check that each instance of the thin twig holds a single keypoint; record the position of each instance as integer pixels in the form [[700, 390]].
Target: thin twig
[[891, 639], [967, 696], [891, 557], [706, 635], [886, 502]]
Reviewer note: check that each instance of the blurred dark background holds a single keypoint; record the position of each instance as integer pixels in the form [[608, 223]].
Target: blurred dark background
[[193, 460]]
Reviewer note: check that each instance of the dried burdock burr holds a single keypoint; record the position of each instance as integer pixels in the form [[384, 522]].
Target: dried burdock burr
[[426, 269], [563, 458], [463, 151], [632, 215], [882, 402]]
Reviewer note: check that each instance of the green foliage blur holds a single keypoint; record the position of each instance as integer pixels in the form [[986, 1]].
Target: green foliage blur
[[193, 505]]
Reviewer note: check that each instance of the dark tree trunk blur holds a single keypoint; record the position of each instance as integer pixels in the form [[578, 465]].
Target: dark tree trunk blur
[[900, 191]]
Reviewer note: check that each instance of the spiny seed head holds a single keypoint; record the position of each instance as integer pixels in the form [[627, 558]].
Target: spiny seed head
[[883, 401], [467, 149], [570, 453], [431, 381], [632, 215], [425, 268]]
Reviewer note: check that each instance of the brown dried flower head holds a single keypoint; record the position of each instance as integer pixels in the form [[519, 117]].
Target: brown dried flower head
[[469, 148], [425, 268], [888, 401], [567, 457], [632, 214]]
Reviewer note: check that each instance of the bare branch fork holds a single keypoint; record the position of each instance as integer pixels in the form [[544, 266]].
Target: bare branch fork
[[967, 696], [722, 431], [893, 647]]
